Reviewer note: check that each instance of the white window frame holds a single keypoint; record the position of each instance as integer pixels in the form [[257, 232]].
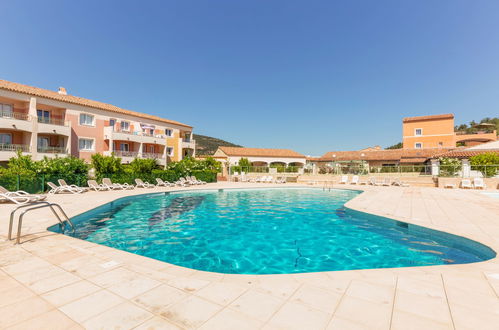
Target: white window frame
[[168, 132], [88, 139], [4, 105], [7, 134], [416, 145], [124, 144], [171, 153], [127, 128], [416, 132], [85, 124]]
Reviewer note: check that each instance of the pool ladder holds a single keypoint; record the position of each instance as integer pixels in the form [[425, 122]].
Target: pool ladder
[[328, 185], [35, 206]]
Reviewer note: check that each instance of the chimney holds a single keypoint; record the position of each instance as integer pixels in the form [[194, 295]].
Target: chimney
[[62, 91]]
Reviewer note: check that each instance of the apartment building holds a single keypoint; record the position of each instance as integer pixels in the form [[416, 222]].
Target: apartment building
[[41, 123], [437, 131]]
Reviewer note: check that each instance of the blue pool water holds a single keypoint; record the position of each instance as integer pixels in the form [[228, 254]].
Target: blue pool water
[[268, 231]]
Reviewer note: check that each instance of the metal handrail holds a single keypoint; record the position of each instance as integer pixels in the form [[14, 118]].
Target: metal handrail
[[35, 206]]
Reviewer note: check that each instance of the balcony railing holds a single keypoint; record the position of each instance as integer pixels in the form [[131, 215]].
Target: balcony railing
[[137, 133], [53, 121], [52, 150], [120, 153], [14, 115], [152, 155], [14, 147]]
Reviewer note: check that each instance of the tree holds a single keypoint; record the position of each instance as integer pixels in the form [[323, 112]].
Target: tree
[[449, 166], [396, 146], [487, 163]]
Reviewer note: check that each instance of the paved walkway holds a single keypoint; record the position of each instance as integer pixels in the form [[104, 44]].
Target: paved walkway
[[54, 281]]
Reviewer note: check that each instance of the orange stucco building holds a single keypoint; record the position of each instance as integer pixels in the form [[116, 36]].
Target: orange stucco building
[[437, 131], [44, 123]]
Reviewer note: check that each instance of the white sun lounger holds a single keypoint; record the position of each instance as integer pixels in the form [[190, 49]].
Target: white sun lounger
[[479, 184], [182, 182], [22, 193], [93, 185], [161, 183], [63, 183], [386, 182], [355, 179], [54, 189], [17, 199], [399, 183], [466, 184], [344, 179], [193, 178], [141, 184], [109, 184]]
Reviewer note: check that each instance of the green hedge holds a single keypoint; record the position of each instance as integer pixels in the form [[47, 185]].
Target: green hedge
[[37, 184]]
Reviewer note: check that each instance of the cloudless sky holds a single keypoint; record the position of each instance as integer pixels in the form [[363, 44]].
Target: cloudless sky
[[313, 76]]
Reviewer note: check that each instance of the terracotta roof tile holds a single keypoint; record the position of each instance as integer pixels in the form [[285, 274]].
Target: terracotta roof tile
[[40, 92], [420, 118], [391, 154], [260, 152], [466, 153]]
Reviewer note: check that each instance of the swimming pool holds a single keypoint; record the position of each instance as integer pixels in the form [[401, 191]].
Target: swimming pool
[[267, 231]]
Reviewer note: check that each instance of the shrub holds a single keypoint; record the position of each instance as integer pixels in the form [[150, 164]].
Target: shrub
[[147, 165], [487, 163], [208, 176], [106, 165], [449, 166]]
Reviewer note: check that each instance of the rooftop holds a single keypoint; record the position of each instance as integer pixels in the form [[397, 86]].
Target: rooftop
[[45, 93], [432, 117], [260, 152], [392, 154]]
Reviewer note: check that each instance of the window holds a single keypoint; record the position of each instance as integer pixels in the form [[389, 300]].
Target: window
[[124, 147], [86, 144], [151, 149], [418, 145], [5, 138], [418, 131], [169, 151], [168, 132], [43, 116], [5, 110], [112, 123], [148, 131], [86, 119], [125, 126]]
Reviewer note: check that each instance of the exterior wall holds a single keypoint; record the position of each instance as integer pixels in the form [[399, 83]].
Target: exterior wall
[[62, 112], [436, 133]]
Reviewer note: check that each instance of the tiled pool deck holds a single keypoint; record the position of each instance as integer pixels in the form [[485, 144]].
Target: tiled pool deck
[[57, 282]]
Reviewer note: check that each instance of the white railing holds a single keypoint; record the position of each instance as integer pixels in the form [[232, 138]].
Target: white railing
[[14, 115], [14, 147], [52, 150], [120, 153], [152, 155], [53, 121]]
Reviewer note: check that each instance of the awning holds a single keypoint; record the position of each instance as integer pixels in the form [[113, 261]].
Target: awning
[[147, 126]]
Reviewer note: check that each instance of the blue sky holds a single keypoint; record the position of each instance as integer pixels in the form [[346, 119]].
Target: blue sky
[[313, 76]]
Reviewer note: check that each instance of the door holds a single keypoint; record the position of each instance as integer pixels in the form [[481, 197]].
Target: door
[[43, 116], [112, 123], [43, 144]]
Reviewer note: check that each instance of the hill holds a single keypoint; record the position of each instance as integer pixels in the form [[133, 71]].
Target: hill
[[207, 145]]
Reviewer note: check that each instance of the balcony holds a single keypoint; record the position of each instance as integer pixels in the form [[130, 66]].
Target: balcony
[[112, 133], [8, 150], [188, 144], [53, 126], [16, 120], [52, 150]]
